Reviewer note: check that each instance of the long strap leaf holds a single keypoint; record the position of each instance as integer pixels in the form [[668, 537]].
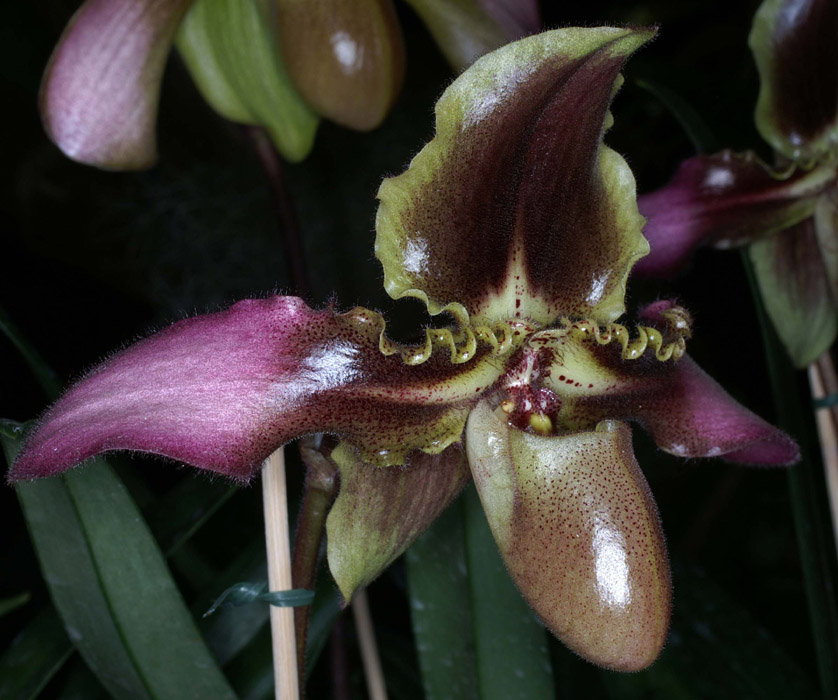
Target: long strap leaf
[[111, 586], [475, 635]]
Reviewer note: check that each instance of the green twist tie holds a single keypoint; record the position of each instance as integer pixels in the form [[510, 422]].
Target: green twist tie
[[244, 593], [826, 401]]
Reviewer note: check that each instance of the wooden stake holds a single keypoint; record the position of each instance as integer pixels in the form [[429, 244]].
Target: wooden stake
[[279, 576], [366, 641], [823, 382]]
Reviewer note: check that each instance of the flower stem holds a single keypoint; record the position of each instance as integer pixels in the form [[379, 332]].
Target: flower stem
[[824, 383], [279, 575], [271, 163], [376, 689], [320, 487]]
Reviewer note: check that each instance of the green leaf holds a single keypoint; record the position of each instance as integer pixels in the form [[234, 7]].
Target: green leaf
[[232, 53], [476, 636], [251, 672], [512, 656], [231, 630], [8, 605], [112, 589], [440, 608], [178, 515], [806, 489], [33, 657], [43, 373], [81, 684]]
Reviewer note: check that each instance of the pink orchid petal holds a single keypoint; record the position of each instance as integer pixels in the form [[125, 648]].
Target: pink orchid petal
[[222, 391], [101, 89], [690, 415], [686, 411], [722, 200]]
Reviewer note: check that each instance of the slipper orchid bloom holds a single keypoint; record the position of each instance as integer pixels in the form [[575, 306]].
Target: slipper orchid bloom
[[788, 214], [273, 63], [519, 223]]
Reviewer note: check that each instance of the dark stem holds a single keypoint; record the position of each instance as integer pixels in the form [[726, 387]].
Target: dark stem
[[271, 163], [340, 665], [320, 487]]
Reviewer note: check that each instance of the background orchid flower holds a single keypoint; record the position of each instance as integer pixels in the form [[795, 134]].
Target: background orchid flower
[[518, 222], [788, 214], [273, 63]]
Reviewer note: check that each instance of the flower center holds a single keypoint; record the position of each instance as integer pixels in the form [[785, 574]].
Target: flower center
[[555, 367]]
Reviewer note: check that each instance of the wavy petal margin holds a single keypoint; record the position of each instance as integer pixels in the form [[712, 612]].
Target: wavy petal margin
[[222, 391], [580, 533], [101, 89], [797, 272], [724, 200], [687, 413], [232, 53], [380, 511], [465, 30], [516, 208], [796, 50], [346, 57]]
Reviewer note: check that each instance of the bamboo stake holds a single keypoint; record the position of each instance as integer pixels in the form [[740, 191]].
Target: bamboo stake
[[823, 382], [366, 640], [279, 576]]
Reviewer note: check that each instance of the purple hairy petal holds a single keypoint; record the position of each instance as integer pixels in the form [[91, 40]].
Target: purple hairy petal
[[687, 413], [795, 45], [722, 200], [580, 534], [222, 391], [101, 89], [516, 208], [380, 511], [797, 271], [690, 415]]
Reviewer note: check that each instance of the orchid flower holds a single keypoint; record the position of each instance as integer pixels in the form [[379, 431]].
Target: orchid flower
[[788, 214], [522, 226], [273, 63]]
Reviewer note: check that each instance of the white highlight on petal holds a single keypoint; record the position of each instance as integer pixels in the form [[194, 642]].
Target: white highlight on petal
[[597, 289], [346, 50], [415, 255], [610, 564], [718, 178], [333, 365]]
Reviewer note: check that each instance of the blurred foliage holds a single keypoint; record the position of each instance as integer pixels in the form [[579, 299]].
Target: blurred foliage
[[92, 260]]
